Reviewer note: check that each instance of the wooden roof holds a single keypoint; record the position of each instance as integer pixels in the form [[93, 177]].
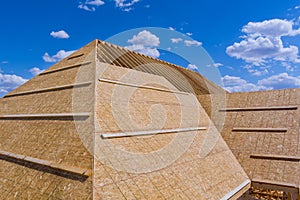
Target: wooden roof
[[52, 144]]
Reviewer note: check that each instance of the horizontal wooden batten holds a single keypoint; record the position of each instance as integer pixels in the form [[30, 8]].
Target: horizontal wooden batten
[[259, 129], [75, 56], [275, 157], [259, 108], [151, 132], [50, 115], [282, 184], [141, 86], [62, 87], [64, 68], [46, 166]]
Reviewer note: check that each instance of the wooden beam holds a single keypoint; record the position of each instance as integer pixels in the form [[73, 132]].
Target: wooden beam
[[62, 87], [242, 129], [46, 166], [141, 86], [269, 182], [75, 56], [151, 132], [64, 68], [50, 115], [271, 108], [275, 157]]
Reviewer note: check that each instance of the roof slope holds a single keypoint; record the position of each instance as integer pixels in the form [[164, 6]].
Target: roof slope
[[42, 155], [53, 126], [262, 130]]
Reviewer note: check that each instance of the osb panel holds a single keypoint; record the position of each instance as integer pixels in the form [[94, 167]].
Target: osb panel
[[141, 116], [55, 140], [243, 144], [18, 182], [60, 78], [147, 109], [60, 101], [126, 75], [187, 177]]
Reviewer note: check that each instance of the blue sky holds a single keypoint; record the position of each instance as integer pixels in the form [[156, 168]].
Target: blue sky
[[254, 43]]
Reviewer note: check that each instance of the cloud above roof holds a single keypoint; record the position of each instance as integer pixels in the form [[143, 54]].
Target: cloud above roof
[[57, 57], [263, 43], [35, 71], [275, 82], [9, 82], [146, 43]]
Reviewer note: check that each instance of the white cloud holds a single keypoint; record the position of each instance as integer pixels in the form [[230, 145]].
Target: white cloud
[[146, 43], [176, 40], [275, 82], [172, 29], [192, 43], [145, 38], [186, 42], [280, 81], [57, 57], [90, 5], [262, 43], [125, 5], [297, 7], [86, 8], [273, 28], [60, 34], [233, 80], [218, 65], [9, 82], [288, 66], [35, 71], [237, 84], [95, 3], [153, 52], [192, 67], [189, 34], [256, 72], [215, 65]]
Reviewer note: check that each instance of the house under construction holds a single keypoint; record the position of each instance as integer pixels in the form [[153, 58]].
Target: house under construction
[[110, 123]]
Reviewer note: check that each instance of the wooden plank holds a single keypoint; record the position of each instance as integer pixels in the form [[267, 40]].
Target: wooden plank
[[275, 157], [75, 56], [241, 129], [46, 166], [151, 132], [64, 68], [141, 86], [282, 184], [62, 87], [259, 108], [49, 115]]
